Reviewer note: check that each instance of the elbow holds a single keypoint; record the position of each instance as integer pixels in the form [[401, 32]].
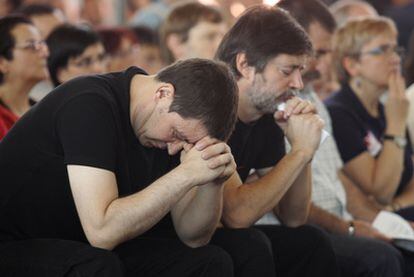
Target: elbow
[[195, 243], [294, 223], [99, 240], [294, 220], [236, 220]]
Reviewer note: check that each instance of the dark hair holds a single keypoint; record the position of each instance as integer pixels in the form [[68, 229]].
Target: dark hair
[[13, 5], [204, 90], [36, 9], [181, 19], [7, 41], [262, 33], [309, 11], [65, 42], [146, 35], [112, 37]]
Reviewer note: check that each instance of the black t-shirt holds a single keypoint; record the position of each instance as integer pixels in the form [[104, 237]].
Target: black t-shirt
[[85, 121], [356, 131], [258, 145]]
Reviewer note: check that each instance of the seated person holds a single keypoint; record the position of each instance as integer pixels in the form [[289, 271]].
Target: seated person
[[268, 72], [74, 51], [89, 187], [121, 46], [191, 30], [20, 45], [46, 18], [372, 137], [149, 54]]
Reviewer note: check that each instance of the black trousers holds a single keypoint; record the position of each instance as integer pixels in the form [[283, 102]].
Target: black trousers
[[247, 250], [301, 252]]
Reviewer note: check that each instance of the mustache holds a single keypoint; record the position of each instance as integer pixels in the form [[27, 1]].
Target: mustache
[[290, 93], [311, 76]]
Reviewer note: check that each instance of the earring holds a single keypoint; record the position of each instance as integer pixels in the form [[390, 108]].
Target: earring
[[358, 82]]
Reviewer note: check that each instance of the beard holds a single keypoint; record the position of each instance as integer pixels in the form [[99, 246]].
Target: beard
[[266, 102]]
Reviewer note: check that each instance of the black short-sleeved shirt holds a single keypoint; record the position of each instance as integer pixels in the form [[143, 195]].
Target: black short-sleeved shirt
[[356, 131], [258, 145], [85, 121]]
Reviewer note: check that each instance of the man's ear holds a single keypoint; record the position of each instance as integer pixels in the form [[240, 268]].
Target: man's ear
[[165, 91], [62, 74], [245, 70], [175, 45], [4, 65], [351, 65]]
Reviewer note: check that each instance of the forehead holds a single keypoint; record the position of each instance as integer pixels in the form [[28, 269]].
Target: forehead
[[191, 130], [289, 60], [381, 40], [208, 27], [319, 36], [24, 32]]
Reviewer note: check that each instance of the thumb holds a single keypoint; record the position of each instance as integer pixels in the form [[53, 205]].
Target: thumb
[[279, 116]]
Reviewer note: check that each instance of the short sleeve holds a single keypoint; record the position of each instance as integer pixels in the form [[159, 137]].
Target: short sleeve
[[86, 129], [273, 148], [348, 132]]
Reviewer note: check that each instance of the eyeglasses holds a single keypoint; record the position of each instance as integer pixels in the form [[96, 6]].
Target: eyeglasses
[[385, 49], [88, 61], [34, 45]]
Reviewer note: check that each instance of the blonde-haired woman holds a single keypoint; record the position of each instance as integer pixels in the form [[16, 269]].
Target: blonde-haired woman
[[371, 136]]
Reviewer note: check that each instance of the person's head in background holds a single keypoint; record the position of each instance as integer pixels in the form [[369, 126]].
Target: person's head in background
[[44, 17], [315, 17], [149, 52], [365, 53], [344, 10], [191, 30], [9, 6], [23, 57], [74, 51], [121, 46]]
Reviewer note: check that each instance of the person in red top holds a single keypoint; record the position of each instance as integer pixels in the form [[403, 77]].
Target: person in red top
[[20, 46], [7, 119]]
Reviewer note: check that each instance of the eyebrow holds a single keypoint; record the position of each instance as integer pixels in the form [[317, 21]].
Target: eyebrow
[[181, 136]]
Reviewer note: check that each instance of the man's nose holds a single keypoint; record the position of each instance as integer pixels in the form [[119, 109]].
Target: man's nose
[[174, 147], [296, 81]]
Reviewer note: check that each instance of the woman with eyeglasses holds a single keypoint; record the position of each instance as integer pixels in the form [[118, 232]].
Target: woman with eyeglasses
[[74, 51], [22, 65], [372, 137]]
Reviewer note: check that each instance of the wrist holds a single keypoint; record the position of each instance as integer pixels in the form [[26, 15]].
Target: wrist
[[304, 154], [185, 176], [395, 130]]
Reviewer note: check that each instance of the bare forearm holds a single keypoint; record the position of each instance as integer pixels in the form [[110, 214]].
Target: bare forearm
[[358, 203], [131, 216], [406, 198], [326, 220], [247, 203], [387, 175], [197, 218], [293, 208]]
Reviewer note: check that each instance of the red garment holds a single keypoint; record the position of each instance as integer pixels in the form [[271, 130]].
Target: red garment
[[7, 120]]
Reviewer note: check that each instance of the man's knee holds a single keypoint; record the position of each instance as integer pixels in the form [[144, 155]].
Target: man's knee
[[383, 260], [214, 260], [313, 237], [97, 262]]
